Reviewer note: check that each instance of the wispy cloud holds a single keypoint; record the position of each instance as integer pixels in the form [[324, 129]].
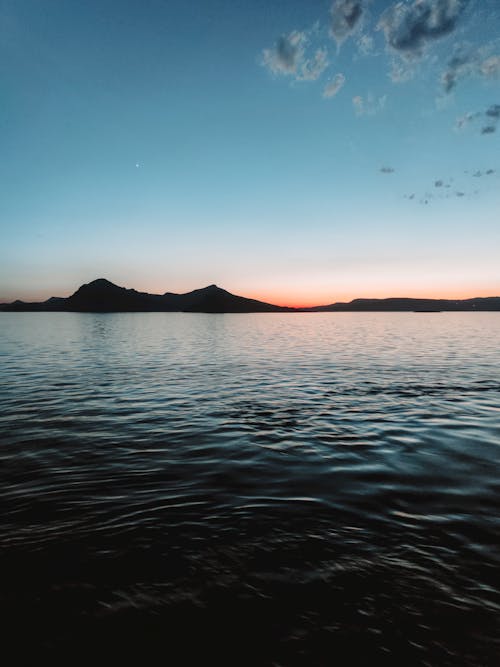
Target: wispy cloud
[[366, 44], [408, 27], [462, 122], [287, 55], [333, 86], [490, 67], [345, 18], [467, 62], [446, 188], [288, 58], [493, 111], [401, 71], [387, 170], [369, 105], [312, 68], [459, 66], [491, 117]]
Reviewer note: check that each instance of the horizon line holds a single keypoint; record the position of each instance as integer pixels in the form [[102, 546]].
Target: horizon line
[[4, 301]]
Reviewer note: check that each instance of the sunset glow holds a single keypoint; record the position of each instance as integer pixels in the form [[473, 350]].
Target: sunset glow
[[300, 164]]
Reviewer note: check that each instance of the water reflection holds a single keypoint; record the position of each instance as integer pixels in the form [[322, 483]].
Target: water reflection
[[286, 488]]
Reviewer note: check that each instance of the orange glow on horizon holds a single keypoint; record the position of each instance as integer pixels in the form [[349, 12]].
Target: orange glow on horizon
[[301, 297], [322, 299]]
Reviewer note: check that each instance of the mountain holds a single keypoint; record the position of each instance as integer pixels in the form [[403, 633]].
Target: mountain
[[213, 299], [400, 304], [104, 296]]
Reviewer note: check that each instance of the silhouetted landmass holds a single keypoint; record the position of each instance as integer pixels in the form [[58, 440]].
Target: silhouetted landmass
[[416, 305], [103, 296]]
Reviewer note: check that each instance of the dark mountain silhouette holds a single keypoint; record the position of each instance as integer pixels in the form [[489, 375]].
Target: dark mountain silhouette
[[400, 304], [213, 299], [104, 296]]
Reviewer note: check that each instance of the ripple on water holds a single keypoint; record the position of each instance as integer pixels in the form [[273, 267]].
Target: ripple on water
[[301, 486]]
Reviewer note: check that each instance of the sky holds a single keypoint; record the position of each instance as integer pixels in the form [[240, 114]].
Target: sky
[[296, 152]]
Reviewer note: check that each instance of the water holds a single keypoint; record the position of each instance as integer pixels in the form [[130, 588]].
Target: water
[[262, 489]]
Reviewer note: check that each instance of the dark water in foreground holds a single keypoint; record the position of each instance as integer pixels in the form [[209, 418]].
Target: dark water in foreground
[[305, 489]]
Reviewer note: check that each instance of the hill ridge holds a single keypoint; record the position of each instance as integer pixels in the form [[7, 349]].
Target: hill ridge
[[102, 295]]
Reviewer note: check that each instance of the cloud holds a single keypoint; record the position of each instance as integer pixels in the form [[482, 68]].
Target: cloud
[[333, 86], [464, 120], [438, 184], [369, 105], [287, 55], [288, 58], [312, 68], [400, 71], [408, 27], [491, 117], [346, 15], [387, 170], [458, 67], [493, 111], [490, 171], [366, 45], [466, 63], [358, 105], [490, 67]]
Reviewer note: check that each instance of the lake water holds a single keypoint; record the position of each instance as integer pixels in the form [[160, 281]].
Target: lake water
[[258, 489]]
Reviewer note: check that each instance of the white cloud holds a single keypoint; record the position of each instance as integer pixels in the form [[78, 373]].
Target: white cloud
[[490, 67], [346, 16], [401, 71], [407, 27], [287, 55], [333, 86], [369, 105], [312, 68], [366, 45]]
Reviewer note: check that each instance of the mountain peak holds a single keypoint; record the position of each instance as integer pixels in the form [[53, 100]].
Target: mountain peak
[[101, 283], [98, 295]]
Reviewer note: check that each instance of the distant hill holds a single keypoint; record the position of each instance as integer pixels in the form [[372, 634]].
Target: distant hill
[[103, 296], [400, 304]]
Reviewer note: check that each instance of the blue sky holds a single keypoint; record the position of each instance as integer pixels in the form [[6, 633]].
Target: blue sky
[[297, 152]]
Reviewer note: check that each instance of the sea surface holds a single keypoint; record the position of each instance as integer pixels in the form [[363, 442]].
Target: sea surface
[[251, 489]]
